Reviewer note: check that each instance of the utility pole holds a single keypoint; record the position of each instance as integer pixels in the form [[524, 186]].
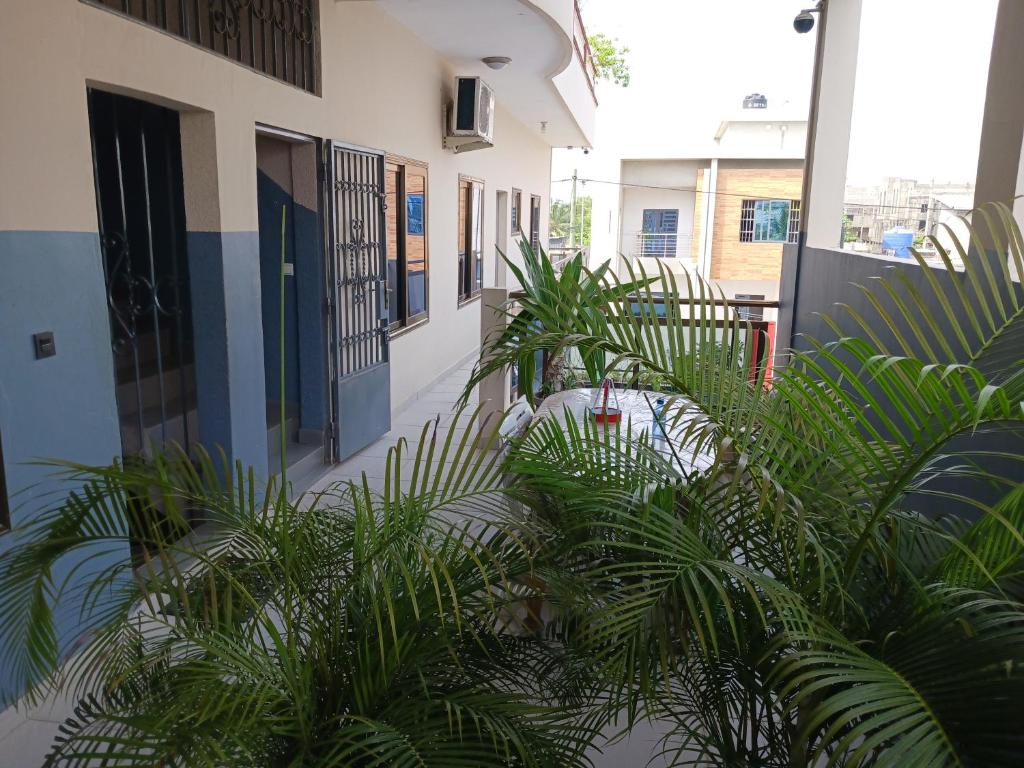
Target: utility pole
[[572, 211]]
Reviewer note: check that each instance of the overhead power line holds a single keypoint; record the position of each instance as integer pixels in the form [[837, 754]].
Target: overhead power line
[[742, 195]]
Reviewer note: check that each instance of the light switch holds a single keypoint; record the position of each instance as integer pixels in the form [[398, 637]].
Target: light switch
[[44, 345]]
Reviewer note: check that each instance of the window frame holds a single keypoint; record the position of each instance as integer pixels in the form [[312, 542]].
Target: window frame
[[517, 212], [793, 232], [750, 314], [748, 221], [535, 214], [658, 248], [400, 292], [473, 264]]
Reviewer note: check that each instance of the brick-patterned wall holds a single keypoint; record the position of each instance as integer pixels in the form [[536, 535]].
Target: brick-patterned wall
[[698, 216], [731, 259]]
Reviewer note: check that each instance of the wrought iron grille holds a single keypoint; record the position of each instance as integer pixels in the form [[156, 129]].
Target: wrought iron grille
[[137, 162], [279, 38], [358, 234], [793, 235]]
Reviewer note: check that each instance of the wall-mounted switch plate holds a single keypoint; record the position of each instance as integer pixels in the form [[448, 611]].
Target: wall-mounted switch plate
[[44, 345]]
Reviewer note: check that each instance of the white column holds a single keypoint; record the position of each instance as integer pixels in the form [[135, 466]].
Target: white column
[[830, 129], [496, 389], [605, 169], [707, 226], [1001, 156]]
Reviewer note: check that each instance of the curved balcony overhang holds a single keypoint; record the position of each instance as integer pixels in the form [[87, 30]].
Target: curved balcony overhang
[[539, 87]]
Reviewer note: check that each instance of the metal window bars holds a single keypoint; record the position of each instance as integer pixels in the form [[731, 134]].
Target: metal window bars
[[140, 201], [279, 38]]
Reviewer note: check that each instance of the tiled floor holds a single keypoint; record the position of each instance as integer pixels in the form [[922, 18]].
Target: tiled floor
[[437, 402], [26, 736]]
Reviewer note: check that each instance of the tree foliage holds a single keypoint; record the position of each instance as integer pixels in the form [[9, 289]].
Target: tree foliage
[[610, 59], [561, 219]]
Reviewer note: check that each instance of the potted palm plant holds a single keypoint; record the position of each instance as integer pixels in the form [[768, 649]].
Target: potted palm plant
[[815, 597]]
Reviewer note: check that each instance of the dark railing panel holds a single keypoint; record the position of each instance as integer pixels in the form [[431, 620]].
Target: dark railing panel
[[279, 38], [759, 334], [5, 511]]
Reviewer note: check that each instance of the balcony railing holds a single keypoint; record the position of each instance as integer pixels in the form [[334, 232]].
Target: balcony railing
[[758, 336], [559, 255], [649, 245], [278, 38], [586, 56]]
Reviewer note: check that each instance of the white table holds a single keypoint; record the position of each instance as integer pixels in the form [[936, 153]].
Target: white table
[[679, 418]]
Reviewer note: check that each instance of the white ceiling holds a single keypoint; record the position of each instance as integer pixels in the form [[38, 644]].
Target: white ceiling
[[465, 31]]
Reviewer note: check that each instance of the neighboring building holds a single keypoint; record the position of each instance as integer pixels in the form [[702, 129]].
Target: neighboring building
[[725, 215], [898, 204], [146, 162]]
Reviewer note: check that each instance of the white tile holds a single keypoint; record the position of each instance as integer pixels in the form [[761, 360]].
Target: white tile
[[28, 745], [10, 719]]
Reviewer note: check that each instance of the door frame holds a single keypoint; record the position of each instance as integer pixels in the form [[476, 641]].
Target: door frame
[[333, 306], [296, 137]]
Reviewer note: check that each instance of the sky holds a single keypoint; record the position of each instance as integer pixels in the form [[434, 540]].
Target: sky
[[920, 81]]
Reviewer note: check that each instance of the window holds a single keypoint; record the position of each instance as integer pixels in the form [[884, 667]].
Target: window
[[471, 237], [405, 186], [770, 221], [794, 222], [750, 313], [517, 212], [242, 31], [660, 233], [535, 223]]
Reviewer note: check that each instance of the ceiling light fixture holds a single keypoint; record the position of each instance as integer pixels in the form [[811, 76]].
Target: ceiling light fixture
[[496, 62]]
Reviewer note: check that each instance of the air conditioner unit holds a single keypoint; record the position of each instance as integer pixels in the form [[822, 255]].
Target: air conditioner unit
[[470, 118]]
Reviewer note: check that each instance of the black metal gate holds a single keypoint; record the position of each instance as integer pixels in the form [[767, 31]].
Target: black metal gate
[[137, 162], [357, 238]]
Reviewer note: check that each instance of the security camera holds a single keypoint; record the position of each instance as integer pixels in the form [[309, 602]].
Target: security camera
[[586, 150], [804, 22]]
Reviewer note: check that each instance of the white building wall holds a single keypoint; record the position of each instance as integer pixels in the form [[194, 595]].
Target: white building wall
[[383, 87], [765, 138], [649, 176]]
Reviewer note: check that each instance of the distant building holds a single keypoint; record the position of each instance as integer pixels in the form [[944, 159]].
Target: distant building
[[899, 204]]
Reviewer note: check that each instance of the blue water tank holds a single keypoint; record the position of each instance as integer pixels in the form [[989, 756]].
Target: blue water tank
[[899, 241]]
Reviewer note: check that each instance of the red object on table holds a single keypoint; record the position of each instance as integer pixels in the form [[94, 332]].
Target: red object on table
[[606, 415]]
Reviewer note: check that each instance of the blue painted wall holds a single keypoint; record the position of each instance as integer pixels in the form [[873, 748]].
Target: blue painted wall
[[272, 198], [226, 314], [305, 358], [309, 286], [62, 406]]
